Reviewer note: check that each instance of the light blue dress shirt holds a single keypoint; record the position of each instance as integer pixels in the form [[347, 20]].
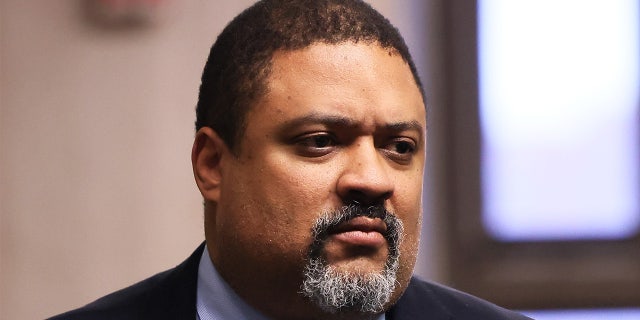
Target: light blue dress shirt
[[217, 301]]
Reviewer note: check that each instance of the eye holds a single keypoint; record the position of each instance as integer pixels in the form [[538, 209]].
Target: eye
[[315, 144], [404, 147], [401, 150]]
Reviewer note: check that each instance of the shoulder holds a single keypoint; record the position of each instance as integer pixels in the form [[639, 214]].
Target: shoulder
[[167, 295], [422, 298], [126, 303]]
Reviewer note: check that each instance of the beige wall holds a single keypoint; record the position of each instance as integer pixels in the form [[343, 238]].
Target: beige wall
[[96, 128]]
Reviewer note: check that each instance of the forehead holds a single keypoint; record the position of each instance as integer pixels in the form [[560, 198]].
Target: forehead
[[339, 62], [357, 80]]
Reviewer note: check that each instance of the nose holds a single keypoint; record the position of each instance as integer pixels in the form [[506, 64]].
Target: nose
[[365, 178]]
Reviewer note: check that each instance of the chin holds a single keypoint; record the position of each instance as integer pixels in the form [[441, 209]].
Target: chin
[[362, 286], [359, 267]]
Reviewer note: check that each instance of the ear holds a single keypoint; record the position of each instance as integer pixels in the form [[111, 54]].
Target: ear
[[206, 156]]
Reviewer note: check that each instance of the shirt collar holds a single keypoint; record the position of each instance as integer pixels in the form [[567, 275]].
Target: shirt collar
[[215, 299]]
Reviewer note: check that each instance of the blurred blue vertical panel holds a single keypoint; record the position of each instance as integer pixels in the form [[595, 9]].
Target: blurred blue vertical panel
[[559, 114], [588, 314]]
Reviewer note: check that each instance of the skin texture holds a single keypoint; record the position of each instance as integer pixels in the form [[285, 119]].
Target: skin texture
[[338, 123]]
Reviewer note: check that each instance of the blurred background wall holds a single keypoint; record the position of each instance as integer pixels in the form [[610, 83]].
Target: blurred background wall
[[96, 126]]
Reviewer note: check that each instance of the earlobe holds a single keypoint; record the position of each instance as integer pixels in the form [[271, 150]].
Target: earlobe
[[206, 155]]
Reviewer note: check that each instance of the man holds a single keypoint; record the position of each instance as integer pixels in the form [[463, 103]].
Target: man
[[309, 154]]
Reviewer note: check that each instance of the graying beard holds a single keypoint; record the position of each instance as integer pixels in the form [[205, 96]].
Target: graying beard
[[336, 291]]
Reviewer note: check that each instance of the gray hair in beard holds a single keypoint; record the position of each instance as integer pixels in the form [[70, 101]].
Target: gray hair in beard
[[338, 291]]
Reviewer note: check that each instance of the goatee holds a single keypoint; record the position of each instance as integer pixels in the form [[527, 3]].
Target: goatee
[[337, 291]]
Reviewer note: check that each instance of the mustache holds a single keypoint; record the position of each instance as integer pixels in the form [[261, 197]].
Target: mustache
[[328, 222]]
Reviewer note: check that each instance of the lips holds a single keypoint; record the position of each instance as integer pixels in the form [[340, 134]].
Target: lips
[[361, 231]]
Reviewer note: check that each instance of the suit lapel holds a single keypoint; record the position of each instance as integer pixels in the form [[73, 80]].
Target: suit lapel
[[178, 297], [418, 302]]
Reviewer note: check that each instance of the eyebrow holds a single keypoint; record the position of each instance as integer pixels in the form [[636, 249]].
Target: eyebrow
[[405, 126], [318, 118], [340, 121]]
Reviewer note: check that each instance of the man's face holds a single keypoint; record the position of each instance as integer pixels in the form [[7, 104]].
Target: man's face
[[339, 125]]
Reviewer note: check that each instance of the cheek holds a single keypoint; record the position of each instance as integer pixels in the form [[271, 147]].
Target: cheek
[[408, 197], [280, 201], [300, 185], [408, 207]]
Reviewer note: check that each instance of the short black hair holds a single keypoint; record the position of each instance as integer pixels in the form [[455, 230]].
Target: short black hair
[[239, 61]]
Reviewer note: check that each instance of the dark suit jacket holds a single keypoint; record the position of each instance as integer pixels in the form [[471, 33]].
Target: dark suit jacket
[[172, 295]]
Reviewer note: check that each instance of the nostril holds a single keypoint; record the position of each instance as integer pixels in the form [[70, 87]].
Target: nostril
[[359, 197]]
